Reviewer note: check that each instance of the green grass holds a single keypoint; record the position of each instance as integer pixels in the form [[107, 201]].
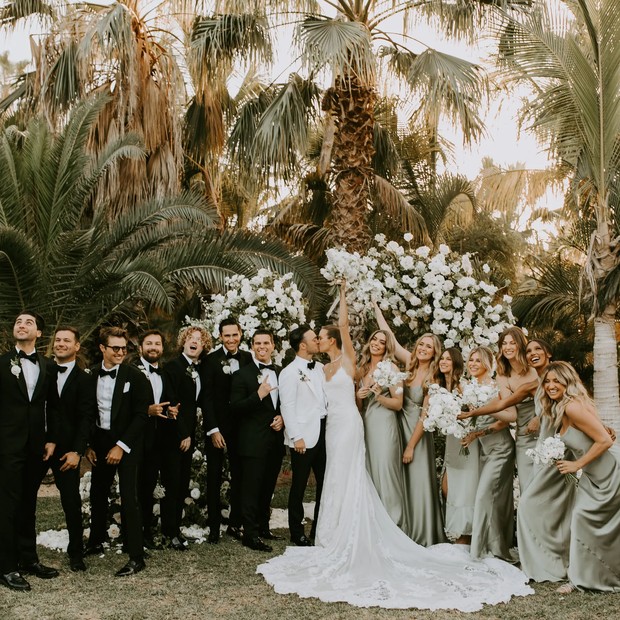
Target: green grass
[[220, 582]]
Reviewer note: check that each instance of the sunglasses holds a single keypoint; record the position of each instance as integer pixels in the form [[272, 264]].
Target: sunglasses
[[116, 349]]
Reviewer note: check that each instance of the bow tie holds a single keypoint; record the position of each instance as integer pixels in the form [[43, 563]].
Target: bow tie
[[235, 356], [266, 366], [311, 365], [107, 373], [155, 369], [61, 369], [31, 358]]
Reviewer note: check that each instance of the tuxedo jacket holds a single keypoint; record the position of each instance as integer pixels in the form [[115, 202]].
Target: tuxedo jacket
[[179, 387], [25, 423], [77, 412], [302, 401], [130, 402], [216, 381], [150, 429], [256, 437]]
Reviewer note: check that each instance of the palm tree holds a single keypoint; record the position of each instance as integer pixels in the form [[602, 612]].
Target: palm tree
[[74, 268], [569, 55]]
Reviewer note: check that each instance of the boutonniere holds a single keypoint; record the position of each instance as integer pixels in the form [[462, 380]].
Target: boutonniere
[[16, 367], [259, 377], [144, 371], [303, 377], [192, 372], [88, 371], [226, 368]]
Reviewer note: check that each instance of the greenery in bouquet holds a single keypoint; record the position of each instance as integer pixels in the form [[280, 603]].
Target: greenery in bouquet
[[265, 300], [424, 291]]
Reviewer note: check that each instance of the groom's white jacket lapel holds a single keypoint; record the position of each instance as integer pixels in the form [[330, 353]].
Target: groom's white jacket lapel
[[302, 401]]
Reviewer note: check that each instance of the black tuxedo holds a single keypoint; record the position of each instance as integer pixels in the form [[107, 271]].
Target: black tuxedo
[[26, 425], [130, 401], [216, 380], [260, 447], [180, 388], [149, 466]]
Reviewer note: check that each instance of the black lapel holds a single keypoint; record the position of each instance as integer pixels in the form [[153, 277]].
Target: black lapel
[[117, 395]]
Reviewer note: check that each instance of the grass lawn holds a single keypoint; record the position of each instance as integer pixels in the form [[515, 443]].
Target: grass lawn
[[220, 582]]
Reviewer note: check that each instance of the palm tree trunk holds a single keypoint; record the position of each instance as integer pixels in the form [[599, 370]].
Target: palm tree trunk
[[606, 393], [352, 104]]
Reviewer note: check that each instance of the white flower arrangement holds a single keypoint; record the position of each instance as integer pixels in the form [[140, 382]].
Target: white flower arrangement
[[266, 300], [144, 371], [442, 412], [16, 367], [424, 290], [386, 376], [548, 452], [474, 394], [192, 372], [226, 368]]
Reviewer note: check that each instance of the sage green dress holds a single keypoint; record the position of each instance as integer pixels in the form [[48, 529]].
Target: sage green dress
[[594, 559], [525, 466], [384, 457], [493, 527], [425, 525], [544, 521]]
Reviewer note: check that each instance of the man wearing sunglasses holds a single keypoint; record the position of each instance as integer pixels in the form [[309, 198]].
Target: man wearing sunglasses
[[123, 397]]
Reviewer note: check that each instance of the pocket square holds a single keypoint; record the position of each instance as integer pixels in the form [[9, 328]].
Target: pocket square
[[126, 387]]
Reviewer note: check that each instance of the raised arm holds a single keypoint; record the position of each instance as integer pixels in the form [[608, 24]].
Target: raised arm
[[348, 350], [402, 355]]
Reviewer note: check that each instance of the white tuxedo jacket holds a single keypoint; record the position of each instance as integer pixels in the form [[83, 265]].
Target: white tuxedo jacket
[[302, 401]]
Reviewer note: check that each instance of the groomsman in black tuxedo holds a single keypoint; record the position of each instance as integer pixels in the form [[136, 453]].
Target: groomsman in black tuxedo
[[77, 408], [28, 423], [123, 396], [151, 350], [221, 427], [177, 434], [254, 399]]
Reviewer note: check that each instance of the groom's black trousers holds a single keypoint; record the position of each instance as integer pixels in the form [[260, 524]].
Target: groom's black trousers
[[301, 464]]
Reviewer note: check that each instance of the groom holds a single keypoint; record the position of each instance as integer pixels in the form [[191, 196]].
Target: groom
[[303, 407]]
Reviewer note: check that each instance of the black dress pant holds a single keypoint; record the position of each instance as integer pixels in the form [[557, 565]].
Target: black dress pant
[[301, 465], [147, 478], [215, 467], [174, 471], [101, 482], [258, 482]]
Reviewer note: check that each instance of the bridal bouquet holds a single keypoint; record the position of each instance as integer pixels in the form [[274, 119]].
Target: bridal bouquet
[[474, 394], [442, 412], [548, 452], [385, 375]]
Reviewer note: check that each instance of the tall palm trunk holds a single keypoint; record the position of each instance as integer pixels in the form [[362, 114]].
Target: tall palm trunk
[[352, 104], [606, 367]]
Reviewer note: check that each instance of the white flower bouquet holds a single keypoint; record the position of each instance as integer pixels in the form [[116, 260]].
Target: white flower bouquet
[[386, 376], [442, 412], [548, 452], [474, 394]]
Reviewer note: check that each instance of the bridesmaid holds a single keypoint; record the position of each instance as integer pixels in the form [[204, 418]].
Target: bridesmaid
[[512, 373], [493, 520], [594, 554], [425, 525], [381, 429], [460, 477]]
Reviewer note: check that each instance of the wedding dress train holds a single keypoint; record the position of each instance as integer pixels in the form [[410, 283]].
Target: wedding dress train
[[361, 557]]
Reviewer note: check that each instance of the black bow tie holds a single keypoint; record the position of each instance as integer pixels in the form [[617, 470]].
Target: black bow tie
[[107, 373], [155, 369], [311, 365], [266, 366], [31, 358], [62, 369], [235, 356]]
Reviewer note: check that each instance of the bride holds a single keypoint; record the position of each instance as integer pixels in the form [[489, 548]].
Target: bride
[[361, 557]]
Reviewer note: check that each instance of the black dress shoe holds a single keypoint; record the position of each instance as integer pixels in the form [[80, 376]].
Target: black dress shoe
[[214, 538], [15, 581], [269, 535], [39, 570], [93, 549], [150, 544], [77, 565], [235, 532], [302, 541], [131, 568], [176, 544], [256, 543]]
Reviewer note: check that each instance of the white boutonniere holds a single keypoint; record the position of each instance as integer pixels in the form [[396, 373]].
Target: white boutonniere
[[16, 367], [259, 377], [226, 368], [88, 371], [144, 371], [192, 372], [303, 377]]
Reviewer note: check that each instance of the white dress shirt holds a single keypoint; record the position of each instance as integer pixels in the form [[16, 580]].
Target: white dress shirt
[[155, 378], [31, 373], [105, 392], [197, 380], [273, 379], [62, 376]]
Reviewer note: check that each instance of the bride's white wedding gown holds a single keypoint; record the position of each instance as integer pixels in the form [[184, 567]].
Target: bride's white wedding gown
[[361, 557]]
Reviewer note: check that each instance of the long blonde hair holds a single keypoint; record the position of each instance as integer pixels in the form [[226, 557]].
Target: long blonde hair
[[575, 390], [503, 365], [414, 363], [486, 357], [365, 357]]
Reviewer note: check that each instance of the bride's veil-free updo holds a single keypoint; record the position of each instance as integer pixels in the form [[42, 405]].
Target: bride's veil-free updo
[[333, 331]]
